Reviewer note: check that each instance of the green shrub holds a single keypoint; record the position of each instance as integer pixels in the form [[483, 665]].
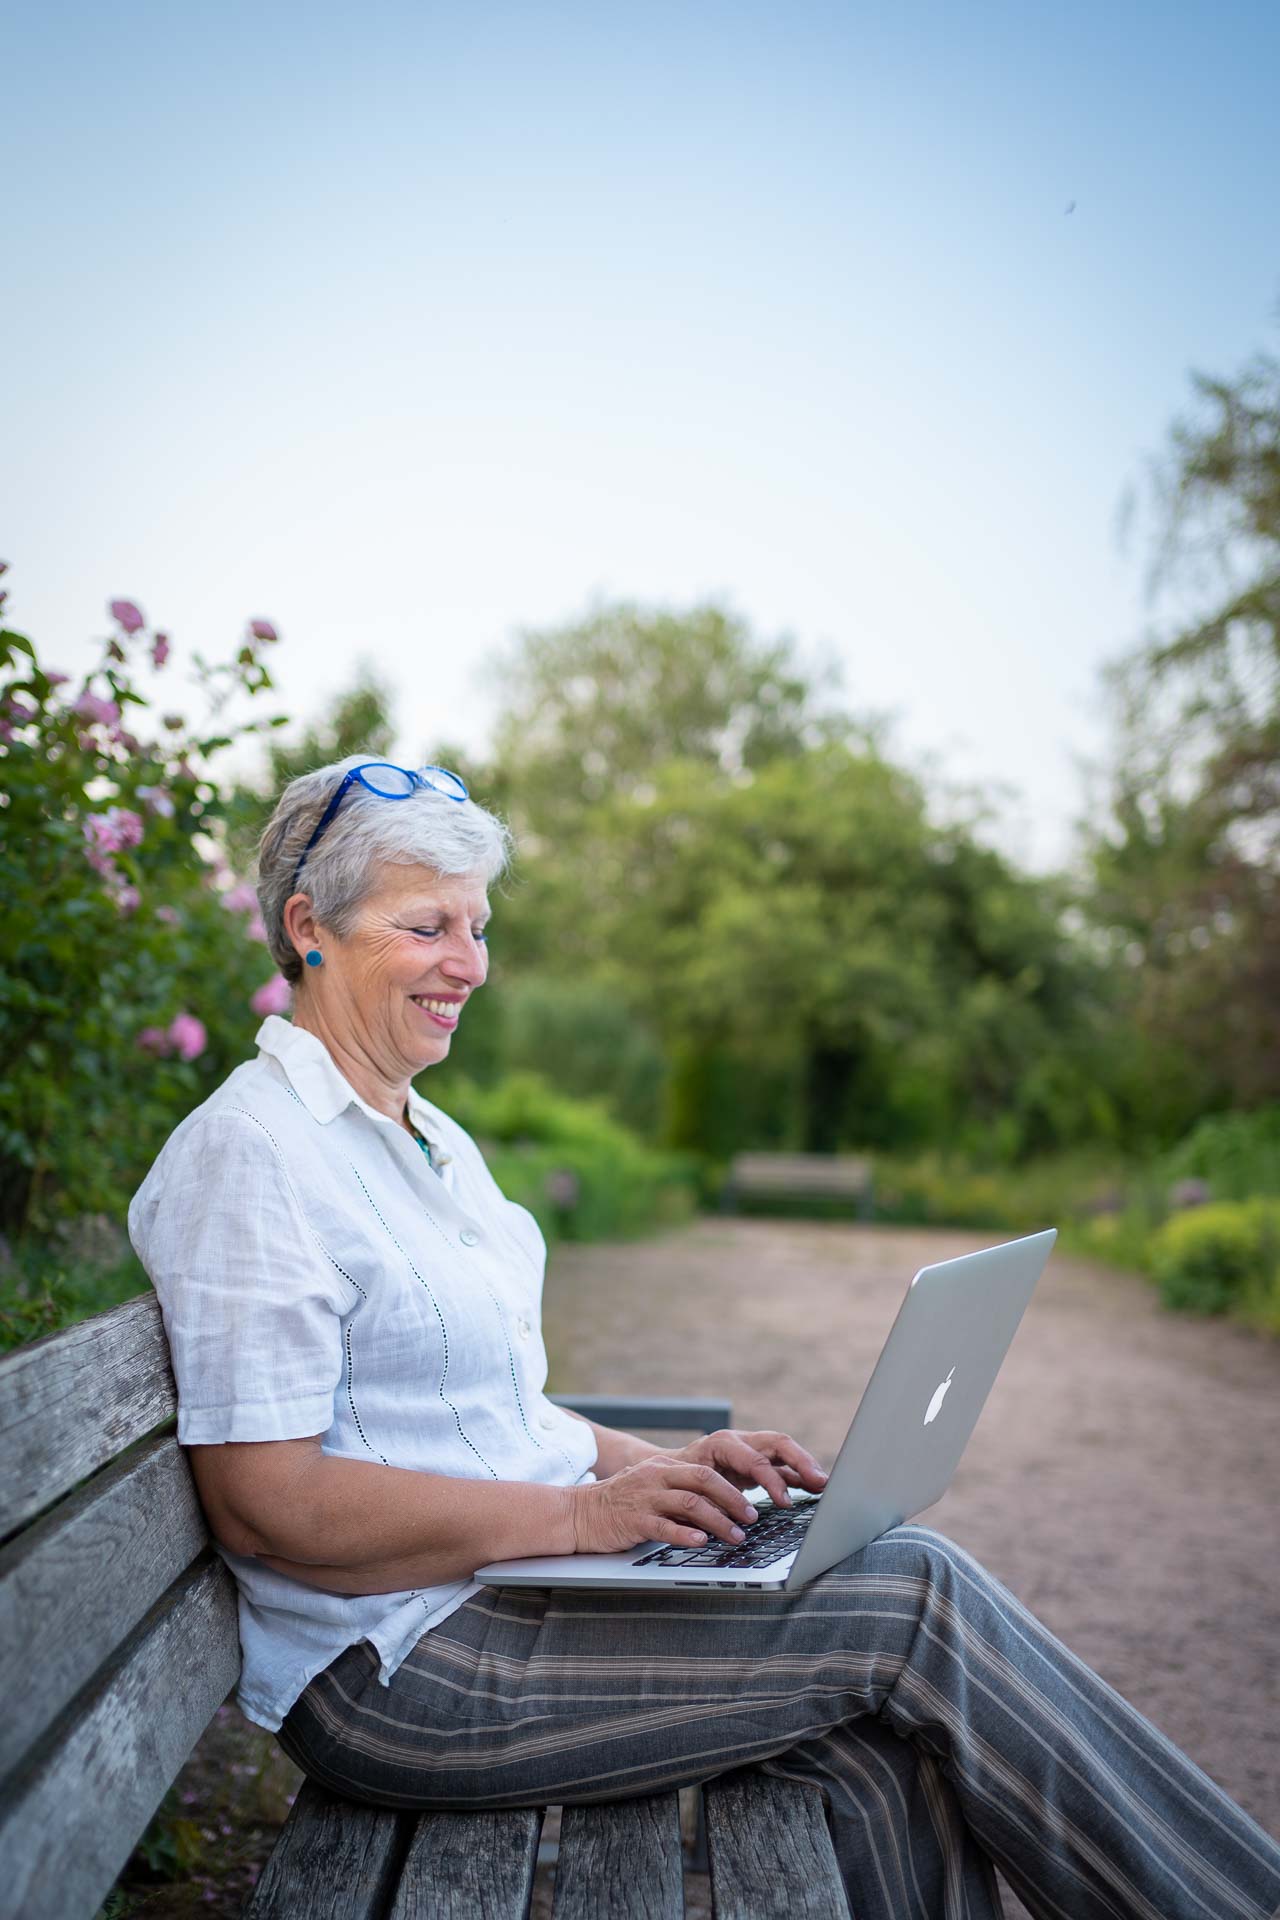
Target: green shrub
[[1222, 1257], [1236, 1154], [934, 1191], [530, 1134], [47, 1286]]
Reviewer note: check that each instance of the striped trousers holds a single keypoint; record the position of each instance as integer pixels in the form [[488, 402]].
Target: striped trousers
[[945, 1726]]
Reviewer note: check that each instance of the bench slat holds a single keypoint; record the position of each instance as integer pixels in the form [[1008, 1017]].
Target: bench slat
[[73, 1585], [771, 1854], [73, 1400], [333, 1861], [73, 1812], [463, 1864], [621, 1862]]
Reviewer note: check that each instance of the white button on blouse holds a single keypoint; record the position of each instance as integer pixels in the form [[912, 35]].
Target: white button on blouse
[[308, 1261]]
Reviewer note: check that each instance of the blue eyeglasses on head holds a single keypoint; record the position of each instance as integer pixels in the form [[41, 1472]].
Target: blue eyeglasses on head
[[388, 783]]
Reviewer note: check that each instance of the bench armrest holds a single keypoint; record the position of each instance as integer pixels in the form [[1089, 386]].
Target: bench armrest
[[631, 1411]]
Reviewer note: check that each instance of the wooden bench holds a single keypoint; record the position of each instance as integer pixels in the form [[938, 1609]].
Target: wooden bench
[[797, 1180], [118, 1642]]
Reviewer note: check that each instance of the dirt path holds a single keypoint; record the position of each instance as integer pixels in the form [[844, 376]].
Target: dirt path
[[1124, 1480]]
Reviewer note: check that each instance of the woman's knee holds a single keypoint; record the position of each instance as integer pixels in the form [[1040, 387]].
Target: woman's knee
[[919, 1553]]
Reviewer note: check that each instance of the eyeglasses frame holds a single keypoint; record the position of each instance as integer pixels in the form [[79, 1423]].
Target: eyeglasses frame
[[354, 776]]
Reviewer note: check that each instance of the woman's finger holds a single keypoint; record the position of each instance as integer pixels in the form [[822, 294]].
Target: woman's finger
[[788, 1452], [704, 1483], [691, 1510], [752, 1465]]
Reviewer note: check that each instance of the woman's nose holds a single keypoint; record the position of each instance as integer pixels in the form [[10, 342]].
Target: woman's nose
[[467, 963]]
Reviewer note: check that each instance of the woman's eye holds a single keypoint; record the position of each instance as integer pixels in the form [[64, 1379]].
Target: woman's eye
[[433, 933]]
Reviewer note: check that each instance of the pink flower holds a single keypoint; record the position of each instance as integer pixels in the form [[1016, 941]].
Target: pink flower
[[154, 1040], [274, 997], [256, 930], [263, 630], [168, 914], [156, 800], [117, 828], [160, 650], [6, 732], [57, 679], [240, 898], [128, 616], [90, 707], [108, 833], [19, 710], [128, 899], [188, 1036]]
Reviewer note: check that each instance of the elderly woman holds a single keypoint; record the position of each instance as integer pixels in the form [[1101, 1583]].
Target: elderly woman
[[353, 1311]]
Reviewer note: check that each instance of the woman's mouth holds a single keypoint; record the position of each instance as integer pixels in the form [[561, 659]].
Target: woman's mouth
[[443, 1012]]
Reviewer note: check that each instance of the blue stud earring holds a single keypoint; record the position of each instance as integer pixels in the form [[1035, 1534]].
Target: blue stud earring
[[315, 958]]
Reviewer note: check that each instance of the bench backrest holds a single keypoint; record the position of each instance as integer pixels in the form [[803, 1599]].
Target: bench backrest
[[801, 1173], [118, 1636]]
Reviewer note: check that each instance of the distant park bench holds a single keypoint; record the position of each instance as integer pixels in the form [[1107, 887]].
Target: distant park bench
[[790, 1180], [118, 1643]]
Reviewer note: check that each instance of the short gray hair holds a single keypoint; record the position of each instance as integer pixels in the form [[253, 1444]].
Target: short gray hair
[[425, 830]]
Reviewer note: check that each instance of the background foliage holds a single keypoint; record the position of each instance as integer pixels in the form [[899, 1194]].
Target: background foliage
[[738, 920]]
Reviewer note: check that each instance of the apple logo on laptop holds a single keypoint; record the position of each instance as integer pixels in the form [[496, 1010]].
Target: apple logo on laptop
[[940, 1394]]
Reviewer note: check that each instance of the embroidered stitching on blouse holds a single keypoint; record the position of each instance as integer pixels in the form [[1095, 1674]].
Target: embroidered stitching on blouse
[[444, 1332]]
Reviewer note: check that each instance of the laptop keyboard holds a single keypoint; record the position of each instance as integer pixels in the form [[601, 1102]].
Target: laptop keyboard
[[778, 1532]]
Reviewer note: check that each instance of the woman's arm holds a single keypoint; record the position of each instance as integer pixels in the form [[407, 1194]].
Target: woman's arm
[[355, 1526], [615, 1449], [287, 1501]]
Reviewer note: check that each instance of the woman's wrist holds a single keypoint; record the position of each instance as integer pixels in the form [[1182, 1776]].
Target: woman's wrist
[[616, 1450]]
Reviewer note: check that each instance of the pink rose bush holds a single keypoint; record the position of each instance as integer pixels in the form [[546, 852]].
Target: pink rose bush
[[128, 615], [91, 706], [134, 949], [185, 1035], [188, 1036], [275, 997]]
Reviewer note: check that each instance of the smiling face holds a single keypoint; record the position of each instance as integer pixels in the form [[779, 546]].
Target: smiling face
[[392, 991]]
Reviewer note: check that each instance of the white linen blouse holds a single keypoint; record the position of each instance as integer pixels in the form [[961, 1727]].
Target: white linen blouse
[[318, 1276]]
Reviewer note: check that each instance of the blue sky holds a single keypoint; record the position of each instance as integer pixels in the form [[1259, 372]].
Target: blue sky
[[410, 326]]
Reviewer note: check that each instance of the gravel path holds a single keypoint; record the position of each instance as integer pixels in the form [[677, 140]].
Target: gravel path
[[1124, 1479]]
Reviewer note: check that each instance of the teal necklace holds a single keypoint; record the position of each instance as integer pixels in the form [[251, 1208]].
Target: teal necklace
[[437, 1161]]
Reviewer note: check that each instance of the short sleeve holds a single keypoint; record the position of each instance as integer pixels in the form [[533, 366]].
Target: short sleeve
[[252, 1305]]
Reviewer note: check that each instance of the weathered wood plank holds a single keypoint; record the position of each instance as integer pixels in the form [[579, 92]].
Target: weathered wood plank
[[771, 1853], [74, 1809], [77, 1582], [72, 1401], [621, 1861], [461, 1865], [333, 1861]]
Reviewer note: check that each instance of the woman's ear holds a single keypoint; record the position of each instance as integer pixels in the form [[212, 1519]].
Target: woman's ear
[[301, 925]]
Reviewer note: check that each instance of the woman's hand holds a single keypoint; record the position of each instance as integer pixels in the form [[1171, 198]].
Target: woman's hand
[[682, 1496], [770, 1460]]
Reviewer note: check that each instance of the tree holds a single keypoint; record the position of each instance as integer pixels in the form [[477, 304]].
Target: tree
[[766, 892], [591, 708], [1186, 861]]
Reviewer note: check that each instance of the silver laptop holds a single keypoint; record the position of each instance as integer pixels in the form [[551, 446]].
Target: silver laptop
[[912, 1424]]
